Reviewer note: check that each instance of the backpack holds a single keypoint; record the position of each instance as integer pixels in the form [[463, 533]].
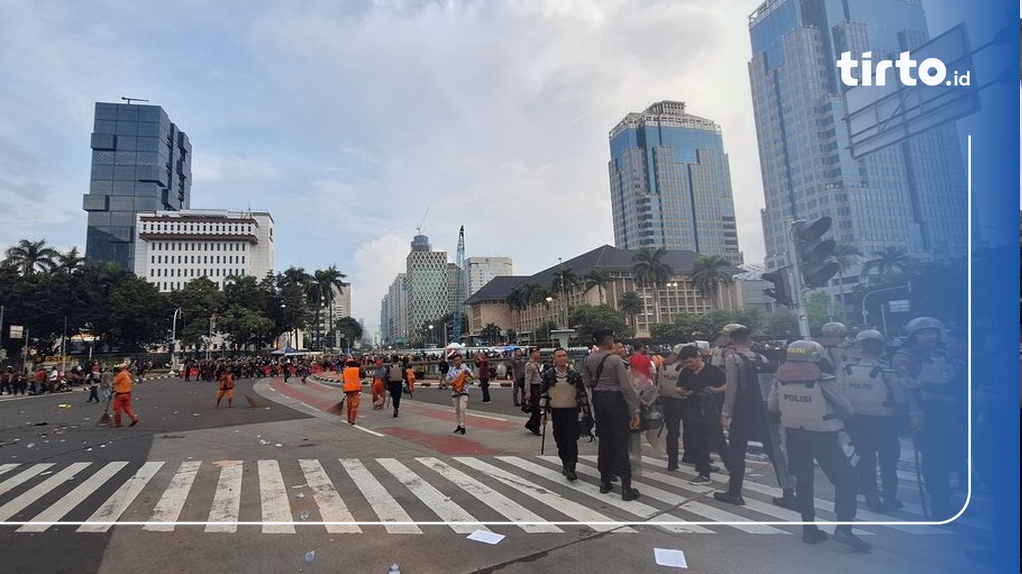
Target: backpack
[[396, 373]]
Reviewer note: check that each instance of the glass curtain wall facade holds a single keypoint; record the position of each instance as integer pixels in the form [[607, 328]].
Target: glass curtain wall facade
[[141, 161], [910, 195], [670, 183]]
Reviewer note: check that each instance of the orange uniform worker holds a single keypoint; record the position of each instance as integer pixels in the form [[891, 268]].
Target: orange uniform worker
[[379, 385], [226, 387], [352, 375], [410, 379], [122, 395]]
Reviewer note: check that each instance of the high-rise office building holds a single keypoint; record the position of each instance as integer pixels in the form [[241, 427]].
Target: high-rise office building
[[141, 161], [910, 195], [480, 270], [394, 316], [428, 284], [670, 184]]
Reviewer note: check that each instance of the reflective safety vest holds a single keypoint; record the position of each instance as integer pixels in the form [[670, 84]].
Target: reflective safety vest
[[803, 406], [863, 381], [352, 379], [669, 376], [934, 371]]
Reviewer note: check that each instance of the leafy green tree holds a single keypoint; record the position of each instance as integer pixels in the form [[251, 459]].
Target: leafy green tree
[[818, 310], [846, 255], [490, 333], [244, 326], [139, 315], [782, 324], [585, 319], [70, 262], [349, 329]]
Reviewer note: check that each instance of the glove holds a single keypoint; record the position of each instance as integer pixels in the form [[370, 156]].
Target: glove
[[586, 428]]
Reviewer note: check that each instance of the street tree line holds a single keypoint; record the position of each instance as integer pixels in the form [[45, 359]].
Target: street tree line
[[51, 294]]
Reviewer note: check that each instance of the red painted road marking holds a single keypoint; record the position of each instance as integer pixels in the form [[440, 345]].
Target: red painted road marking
[[448, 444]]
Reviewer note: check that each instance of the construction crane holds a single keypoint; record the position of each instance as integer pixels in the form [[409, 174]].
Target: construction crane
[[459, 287]]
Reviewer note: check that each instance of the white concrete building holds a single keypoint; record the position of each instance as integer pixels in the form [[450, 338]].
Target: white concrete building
[[480, 270], [175, 247]]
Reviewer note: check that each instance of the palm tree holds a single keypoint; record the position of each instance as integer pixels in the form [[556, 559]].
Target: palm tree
[[535, 294], [708, 272], [326, 281], [565, 281], [846, 255], [631, 304], [516, 301], [599, 278], [70, 262], [650, 271], [890, 261], [32, 256]]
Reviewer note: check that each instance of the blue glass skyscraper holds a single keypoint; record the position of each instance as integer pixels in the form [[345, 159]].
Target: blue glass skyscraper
[[909, 196], [141, 161], [670, 184]]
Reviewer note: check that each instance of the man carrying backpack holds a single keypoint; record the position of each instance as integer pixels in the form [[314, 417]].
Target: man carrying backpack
[[395, 381]]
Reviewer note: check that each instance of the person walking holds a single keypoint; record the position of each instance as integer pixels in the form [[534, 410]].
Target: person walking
[[458, 377], [518, 376], [483, 373], [122, 385], [94, 376], [698, 383], [615, 410], [352, 387], [812, 410], [533, 388], [564, 396], [225, 382], [395, 380], [379, 384]]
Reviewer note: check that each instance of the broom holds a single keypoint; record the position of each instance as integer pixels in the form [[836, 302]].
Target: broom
[[337, 409], [105, 420]]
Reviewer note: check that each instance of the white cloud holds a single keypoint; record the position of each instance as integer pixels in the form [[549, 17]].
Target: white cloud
[[347, 124]]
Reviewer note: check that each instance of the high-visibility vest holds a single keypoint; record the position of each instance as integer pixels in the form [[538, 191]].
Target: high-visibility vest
[[352, 379]]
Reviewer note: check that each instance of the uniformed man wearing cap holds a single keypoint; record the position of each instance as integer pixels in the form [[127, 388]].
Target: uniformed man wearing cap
[[616, 411]]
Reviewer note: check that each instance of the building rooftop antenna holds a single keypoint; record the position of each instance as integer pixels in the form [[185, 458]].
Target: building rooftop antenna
[[129, 100]]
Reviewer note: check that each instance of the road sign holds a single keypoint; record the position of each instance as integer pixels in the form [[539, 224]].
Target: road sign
[[899, 306]]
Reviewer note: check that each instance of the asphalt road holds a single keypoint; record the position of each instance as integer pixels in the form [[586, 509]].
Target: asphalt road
[[287, 466]]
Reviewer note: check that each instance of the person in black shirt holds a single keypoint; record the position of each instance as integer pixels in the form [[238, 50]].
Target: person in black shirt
[[700, 382]]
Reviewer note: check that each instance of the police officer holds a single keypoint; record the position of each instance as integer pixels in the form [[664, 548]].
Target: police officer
[[812, 410], [877, 398], [927, 371], [832, 339], [616, 410]]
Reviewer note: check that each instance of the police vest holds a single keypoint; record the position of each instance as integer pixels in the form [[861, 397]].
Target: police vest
[[864, 383], [669, 381], [933, 371], [803, 407]]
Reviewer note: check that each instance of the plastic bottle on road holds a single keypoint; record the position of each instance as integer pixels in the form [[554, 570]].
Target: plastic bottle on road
[[394, 569]]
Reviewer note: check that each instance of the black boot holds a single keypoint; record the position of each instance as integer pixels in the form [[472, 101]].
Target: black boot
[[569, 473], [813, 535], [627, 492], [843, 535], [787, 500], [605, 485]]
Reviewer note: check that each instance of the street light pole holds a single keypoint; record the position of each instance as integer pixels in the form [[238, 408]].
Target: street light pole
[[866, 296], [173, 340]]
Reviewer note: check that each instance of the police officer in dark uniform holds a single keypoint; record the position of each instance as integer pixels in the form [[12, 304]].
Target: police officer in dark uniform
[[812, 411], [929, 372]]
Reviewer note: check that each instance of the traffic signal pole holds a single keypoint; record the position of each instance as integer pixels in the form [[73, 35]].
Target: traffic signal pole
[[798, 298]]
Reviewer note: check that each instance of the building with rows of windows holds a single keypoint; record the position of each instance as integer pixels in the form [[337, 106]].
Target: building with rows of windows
[[175, 247]]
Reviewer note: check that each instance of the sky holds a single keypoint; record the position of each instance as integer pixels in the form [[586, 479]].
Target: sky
[[355, 123]]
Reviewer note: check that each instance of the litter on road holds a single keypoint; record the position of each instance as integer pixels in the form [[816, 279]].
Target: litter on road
[[672, 558]]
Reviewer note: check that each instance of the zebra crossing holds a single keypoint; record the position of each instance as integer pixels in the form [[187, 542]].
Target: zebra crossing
[[406, 497]]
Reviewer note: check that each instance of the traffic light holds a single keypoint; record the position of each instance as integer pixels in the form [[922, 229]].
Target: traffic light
[[781, 291], [813, 252]]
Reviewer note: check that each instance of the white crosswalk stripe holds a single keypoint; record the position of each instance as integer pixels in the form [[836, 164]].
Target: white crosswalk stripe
[[400, 496], [384, 505], [227, 498], [5, 467], [119, 501], [168, 509]]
